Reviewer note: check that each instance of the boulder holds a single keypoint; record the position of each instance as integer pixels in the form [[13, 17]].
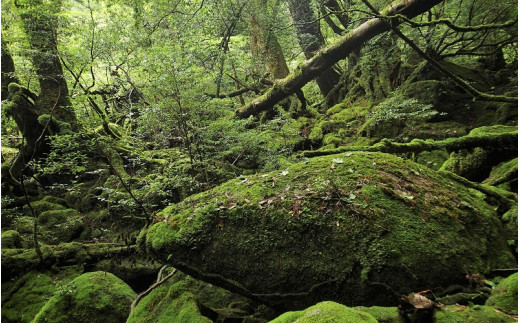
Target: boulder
[[357, 228], [505, 295], [92, 297]]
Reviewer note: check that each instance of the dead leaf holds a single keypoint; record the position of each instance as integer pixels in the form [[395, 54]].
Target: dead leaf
[[219, 222]]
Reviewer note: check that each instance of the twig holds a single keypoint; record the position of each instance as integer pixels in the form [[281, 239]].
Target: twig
[[158, 283]]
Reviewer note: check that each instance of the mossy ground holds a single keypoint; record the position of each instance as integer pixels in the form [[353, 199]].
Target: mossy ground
[[341, 220]]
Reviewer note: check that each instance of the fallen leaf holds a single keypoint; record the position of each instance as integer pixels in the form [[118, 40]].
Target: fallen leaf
[[337, 160], [220, 222]]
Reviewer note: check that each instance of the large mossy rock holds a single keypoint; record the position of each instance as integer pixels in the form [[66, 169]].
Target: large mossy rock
[[92, 297], [505, 295], [325, 312], [354, 228]]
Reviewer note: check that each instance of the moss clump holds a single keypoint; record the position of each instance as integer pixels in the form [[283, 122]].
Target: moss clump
[[433, 159], [92, 297], [505, 295], [172, 302], [11, 239], [505, 175], [331, 139], [325, 312], [24, 298], [341, 220], [42, 206], [384, 314], [60, 225]]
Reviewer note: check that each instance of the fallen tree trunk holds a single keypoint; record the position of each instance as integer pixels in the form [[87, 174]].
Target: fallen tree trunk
[[506, 140], [328, 56], [17, 261]]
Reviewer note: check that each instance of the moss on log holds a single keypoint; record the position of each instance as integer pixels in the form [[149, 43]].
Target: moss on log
[[501, 137]]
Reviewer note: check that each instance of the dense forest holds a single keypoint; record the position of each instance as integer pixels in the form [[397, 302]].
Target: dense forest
[[259, 160]]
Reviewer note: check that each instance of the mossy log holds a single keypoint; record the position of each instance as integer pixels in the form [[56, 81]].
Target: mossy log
[[332, 228], [330, 55], [15, 262], [505, 140]]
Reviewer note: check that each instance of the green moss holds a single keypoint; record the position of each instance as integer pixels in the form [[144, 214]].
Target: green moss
[[60, 225], [55, 200], [433, 159], [474, 314], [316, 134], [325, 312], [176, 301], [384, 314], [23, 299], [505, 295], [504, 173], [331, 139], [43, 205], [11, 239], [375, 215], [447, 314], [91, 297]]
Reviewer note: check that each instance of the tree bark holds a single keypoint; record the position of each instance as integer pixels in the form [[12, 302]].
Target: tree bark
[[328, 56], [264, 43], [49, 112], [311, 40]]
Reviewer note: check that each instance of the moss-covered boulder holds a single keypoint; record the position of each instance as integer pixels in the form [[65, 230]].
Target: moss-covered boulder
[[183, 299], [92, 297], [60, 225], [350, 227], [325, 312], [12, 239], [23, 298], [505, 295], [476, 164]]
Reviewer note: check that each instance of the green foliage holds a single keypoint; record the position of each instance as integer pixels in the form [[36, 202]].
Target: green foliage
[[71, 154], [505, 295]]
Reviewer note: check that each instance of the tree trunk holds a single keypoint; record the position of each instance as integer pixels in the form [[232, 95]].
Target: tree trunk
[[49, 112], [311, 40], [8, 75], [328, 56], [39, 23], [264, 43]]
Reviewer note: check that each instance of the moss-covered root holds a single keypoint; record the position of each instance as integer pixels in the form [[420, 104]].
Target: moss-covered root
[[325, 312], [505, 296], [92, 297], [484, 137]]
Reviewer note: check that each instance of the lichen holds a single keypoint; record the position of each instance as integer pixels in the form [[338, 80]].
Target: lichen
[[92, 297]]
